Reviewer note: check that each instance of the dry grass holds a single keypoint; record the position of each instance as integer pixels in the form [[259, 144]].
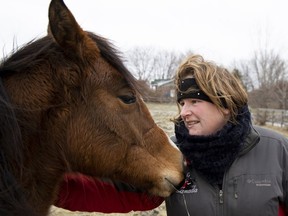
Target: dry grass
[[162, 113]]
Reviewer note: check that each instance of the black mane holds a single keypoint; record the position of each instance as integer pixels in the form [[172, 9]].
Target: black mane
[[34, 51], [12, 198]]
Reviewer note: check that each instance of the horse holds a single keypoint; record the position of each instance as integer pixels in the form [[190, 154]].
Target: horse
[[69, 104]]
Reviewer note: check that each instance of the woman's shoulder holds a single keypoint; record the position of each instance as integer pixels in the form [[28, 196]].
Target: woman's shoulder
[[264, 131], [272, 135]]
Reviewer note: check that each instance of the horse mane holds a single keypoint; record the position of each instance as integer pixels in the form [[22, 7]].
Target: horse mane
[[33, 52], [12, 198], [113, 56]]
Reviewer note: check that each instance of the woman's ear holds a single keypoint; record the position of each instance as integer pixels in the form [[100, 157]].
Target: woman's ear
[[226, 111]]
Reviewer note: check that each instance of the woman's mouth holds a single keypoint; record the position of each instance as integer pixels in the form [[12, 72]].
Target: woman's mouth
[[191, 123]]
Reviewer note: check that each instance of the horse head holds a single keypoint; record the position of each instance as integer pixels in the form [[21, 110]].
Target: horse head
[[79, 110]]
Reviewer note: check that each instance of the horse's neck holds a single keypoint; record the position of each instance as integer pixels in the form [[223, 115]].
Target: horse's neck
[[42, 186], [42, 178]]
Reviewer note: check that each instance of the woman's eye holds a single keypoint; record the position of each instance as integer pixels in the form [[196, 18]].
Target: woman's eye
[[194, 101], [188, 101], [128, 99]]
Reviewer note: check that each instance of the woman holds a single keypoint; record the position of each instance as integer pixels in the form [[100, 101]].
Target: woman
[[233, 168]]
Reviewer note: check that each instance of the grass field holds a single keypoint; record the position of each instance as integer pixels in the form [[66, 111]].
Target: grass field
[[162, 113]]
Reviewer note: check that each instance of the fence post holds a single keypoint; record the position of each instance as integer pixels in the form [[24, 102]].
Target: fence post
[[282, 118]]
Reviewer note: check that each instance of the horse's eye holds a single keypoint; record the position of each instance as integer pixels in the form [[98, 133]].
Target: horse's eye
[[128, 99]]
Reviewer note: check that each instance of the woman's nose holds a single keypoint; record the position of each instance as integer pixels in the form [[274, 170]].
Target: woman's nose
[[185, 110]]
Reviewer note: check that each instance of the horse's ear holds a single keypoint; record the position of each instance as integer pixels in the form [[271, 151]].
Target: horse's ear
[[49, 31], [67, 32]]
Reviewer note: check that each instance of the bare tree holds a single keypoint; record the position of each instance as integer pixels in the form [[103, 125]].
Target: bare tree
[[148, 64], [281, 92], [242, 71], [265, 77], [142, 62], [167, 63], [268, 67], [270, 70]]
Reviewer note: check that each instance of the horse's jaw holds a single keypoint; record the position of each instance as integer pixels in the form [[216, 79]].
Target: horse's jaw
[[157, 170]]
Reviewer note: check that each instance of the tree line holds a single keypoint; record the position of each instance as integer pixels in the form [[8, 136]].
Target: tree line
[[264, 75]]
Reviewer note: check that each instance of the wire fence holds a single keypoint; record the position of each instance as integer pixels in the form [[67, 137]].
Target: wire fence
[[274, 117]]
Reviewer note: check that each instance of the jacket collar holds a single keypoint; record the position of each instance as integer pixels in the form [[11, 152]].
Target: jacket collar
[[251, 140]]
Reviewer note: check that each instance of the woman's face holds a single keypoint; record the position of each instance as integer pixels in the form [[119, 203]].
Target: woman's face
[[202, 117]]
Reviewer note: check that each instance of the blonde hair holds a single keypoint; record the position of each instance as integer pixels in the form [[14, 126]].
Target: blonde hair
[[222, 87]]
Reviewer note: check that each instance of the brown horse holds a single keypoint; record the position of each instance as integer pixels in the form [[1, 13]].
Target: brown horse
[[68, 104]]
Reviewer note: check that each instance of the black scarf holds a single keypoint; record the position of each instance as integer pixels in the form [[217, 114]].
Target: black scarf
[[212, 155]]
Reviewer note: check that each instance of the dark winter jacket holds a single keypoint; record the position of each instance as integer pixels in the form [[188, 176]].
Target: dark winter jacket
[[254, 185]]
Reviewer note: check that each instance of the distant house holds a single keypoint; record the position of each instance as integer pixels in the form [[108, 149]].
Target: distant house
[[164, 89]]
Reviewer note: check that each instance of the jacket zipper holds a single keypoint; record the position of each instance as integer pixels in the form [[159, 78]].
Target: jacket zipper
[[221, 196], [235, 188], [221, 190], [221, 201]]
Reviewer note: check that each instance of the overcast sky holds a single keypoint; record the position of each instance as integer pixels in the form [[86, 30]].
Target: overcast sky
[[220, 30]]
